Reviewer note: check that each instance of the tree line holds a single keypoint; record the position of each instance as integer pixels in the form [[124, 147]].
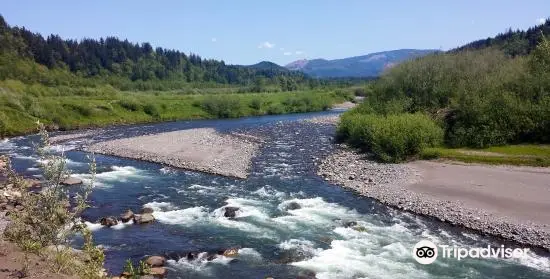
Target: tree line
[[119, 61]]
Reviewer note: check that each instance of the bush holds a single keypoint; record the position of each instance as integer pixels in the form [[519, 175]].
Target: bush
[[391, 138], [223, 106], [130, 105], [45, 225], [151, 110], [360, 92]]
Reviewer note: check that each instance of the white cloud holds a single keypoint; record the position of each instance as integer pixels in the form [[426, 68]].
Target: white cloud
[[266, 44], [298, 52], [287, 53], [541, 20], [214, 40]]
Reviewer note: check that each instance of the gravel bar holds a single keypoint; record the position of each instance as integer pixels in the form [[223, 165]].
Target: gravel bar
[[201, 149], [413, 187]]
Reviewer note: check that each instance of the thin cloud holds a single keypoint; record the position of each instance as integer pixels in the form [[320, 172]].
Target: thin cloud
[[299, 52], [287, 53], [266, 44], [214, 40], [541, 20], [282, 48]]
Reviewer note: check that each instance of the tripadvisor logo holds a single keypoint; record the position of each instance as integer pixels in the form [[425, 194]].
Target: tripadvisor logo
[[426, 252]]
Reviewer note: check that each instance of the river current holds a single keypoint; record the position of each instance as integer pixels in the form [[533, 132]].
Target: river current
[[276, 237]]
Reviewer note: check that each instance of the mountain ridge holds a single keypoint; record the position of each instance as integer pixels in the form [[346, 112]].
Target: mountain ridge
[[369, 65]]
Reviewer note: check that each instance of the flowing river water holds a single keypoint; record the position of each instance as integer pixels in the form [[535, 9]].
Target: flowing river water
[[275, 238]]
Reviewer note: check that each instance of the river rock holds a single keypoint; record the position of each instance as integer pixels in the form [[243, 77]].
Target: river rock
[[230, 211], [231, 252], [72, 181], [127, 216], [158, 272], [211, 257], [350, 224], [34, 183], [293, 206], [108, 221], [155, 261], [144, 218], [146, 210], [192, 255]]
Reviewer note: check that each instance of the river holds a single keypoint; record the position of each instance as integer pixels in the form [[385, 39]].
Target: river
[[276, 239]]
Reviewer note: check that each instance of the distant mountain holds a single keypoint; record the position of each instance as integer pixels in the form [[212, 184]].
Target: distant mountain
[[369, 65]]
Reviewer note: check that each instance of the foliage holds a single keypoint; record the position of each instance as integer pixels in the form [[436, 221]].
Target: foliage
[[481, 98], [20, 110], [46, 224], [391, 138], [513, 43], [53, 61], [135, 272], [222, 106]]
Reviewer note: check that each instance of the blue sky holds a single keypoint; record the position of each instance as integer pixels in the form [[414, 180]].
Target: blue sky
[[246, 31]]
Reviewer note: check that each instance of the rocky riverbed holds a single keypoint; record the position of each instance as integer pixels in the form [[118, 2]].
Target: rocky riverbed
[[392, 184]]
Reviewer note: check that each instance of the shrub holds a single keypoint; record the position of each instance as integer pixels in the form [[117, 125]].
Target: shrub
[[130, 105], [45, 225], [391, 138], [223, 106], [256, 104], [275, 109], [151, 110], [360, 92]]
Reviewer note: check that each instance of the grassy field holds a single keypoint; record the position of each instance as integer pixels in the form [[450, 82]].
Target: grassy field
[[521, 155], [22, 105]]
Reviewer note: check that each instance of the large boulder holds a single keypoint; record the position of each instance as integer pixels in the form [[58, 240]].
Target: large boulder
[[143, 218], [72, 181], [155, 261], [108, 221], [127, 216], [230, 211]]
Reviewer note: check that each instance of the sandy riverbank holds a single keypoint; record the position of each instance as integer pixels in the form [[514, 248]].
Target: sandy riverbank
[[195, 149], [508, 202]]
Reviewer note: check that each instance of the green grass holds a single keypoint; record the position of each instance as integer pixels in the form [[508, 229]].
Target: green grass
[[21, 105], [519, 155]]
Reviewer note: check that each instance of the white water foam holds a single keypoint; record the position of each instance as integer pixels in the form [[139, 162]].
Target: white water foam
[[160, 206], [117, 174], [200, 264], [96, 226], [93, 226], [268, 192], [7, 145], [363, 255]]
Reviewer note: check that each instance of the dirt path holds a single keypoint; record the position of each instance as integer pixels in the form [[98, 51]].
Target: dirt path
[[520, 194]]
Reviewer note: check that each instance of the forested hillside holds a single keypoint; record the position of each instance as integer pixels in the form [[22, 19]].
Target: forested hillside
[[487, 93], [69, 84], [519, 42], [123, 64]]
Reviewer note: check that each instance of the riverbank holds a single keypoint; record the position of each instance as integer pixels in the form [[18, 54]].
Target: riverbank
[[202, 150], [507, 202], [95, 110]]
